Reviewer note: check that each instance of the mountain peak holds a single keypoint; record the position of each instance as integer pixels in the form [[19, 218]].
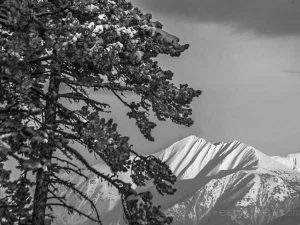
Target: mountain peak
[[192, 154]]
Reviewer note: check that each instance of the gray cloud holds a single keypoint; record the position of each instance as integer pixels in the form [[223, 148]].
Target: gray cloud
[[264, 17], [294, 72]]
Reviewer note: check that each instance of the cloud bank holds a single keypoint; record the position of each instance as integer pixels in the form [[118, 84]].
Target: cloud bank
[[265, 17]]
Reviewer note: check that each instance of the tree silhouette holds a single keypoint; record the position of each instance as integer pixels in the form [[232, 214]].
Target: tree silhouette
[[57, 50]]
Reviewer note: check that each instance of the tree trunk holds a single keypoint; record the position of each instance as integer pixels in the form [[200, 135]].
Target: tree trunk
[[42, 177], [40, 198]]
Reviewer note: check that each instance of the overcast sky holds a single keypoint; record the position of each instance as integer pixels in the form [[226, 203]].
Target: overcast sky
[[245, 57]]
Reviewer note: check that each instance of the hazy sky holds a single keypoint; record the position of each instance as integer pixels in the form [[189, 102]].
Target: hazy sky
[[245, 57]]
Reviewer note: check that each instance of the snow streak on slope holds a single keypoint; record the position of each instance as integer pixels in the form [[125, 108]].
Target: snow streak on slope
[[224, 183]]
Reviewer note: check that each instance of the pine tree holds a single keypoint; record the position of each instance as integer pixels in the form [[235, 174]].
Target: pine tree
[[57, 50]]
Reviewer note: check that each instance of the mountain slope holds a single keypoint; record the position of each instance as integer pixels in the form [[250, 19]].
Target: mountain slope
[[291, 161], [224, 183]]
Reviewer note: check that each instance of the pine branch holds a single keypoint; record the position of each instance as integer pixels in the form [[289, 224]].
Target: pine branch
[[109, 86], [79, 96], [41, 59], [67, 135]]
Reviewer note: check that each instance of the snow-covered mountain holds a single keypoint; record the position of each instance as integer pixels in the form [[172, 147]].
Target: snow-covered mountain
[[218, 184]]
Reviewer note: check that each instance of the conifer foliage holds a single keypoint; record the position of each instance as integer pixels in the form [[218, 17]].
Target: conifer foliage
[[57, 50]]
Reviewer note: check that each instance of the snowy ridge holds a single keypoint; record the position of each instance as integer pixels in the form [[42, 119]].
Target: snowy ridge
[[218, 184], [191, 155], [292, 161]]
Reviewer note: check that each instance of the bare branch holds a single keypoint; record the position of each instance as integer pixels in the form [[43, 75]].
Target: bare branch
[[77, 171], [71, 208], [124, 102], [71, 186], [116, 183], [64, 161]]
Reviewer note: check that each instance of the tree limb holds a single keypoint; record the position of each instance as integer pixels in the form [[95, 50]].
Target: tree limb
[[87, 165], [69, 185], [71, 208]]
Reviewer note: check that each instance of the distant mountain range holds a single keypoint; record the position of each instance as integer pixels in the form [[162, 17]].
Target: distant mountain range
[[218, 184]]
